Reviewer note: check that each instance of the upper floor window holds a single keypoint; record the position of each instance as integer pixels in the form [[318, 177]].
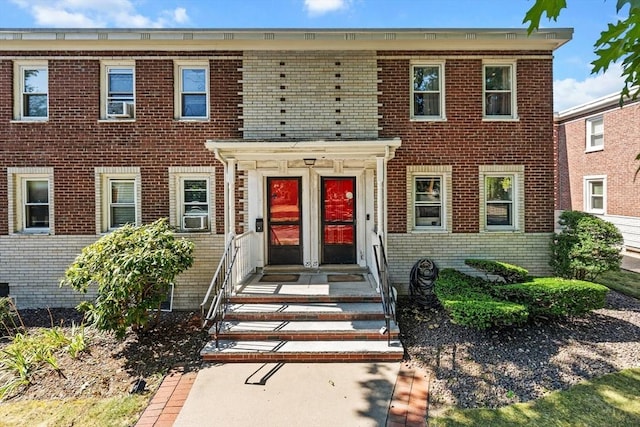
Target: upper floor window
[[502, 197], [595, 133], [595, 194], [427, 91], [32, 94], [120, 92], [429, 198], [30, 200], [499, 91], [193, 91]]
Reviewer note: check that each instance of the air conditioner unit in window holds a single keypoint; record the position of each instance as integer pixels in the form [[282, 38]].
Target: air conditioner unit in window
[[119, 109], [194, 222]]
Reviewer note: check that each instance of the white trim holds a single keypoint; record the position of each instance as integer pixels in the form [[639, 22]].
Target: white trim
[[518, 195], [444, 172], [16, 193], [441, 65], [177, 175], [589, 124], [179, 66], [105, 65], [103, 175], [513, 91], [18, 89], [586, 185]]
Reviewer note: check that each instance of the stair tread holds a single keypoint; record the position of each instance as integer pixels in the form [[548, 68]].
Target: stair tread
[[340, 307], [306, 347], [305, 325]]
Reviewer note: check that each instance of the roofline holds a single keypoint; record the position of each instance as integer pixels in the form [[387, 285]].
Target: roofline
[[598, 104], [286, 38]]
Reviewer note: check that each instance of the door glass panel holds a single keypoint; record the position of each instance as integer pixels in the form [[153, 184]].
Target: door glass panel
[[284, 205], [284, 235], [338, 202], [338, 234]]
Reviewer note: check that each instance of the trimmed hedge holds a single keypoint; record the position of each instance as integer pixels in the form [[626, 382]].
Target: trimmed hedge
[[554, 296], [468, 302], [478, 303], [509, 272]]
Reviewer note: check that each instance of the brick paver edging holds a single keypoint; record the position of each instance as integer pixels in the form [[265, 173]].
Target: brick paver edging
[[165, 405], [409, 402]]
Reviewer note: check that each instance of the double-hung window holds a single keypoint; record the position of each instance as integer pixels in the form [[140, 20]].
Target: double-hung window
[[595, 194], [36, 204], [428, 201], [595, 133], [429, 198], [499, 91], [193, 91], [32, 95], [120, 92], [502, 197], [427, 86], [122, 202]]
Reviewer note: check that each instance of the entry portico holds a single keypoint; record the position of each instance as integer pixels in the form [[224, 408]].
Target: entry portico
[[308, 202]]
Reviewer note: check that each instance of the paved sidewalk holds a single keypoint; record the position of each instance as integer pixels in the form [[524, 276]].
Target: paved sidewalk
[[631, 263], [319, 394]]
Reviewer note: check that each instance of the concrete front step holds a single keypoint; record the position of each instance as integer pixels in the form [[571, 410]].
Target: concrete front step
[[302, 351], [311, 311], [302, 299], [306, 330]]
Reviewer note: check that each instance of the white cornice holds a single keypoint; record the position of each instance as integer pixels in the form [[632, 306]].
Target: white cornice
[[284, 39], [599, 104]]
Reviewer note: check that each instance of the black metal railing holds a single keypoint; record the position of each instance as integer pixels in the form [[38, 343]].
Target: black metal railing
[[386, 291]]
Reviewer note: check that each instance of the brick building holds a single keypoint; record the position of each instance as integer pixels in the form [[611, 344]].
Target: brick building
[[307, 143], [597, 144]]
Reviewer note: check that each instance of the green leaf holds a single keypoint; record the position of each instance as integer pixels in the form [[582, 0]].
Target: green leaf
[[551, 8]]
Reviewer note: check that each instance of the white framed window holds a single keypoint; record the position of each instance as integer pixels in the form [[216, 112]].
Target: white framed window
[[502, 197], [429, 198], [30, 200], [118, 90], [595, 194], [499, 91], [595, 133], [191, 198], [192, 94], [118, 198], [31, 90], [427, 91]]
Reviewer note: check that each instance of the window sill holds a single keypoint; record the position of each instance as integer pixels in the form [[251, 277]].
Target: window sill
[[594, 150], [428, 119], [192, 120], [429, 231], [116, 120], [501, 230], [23, 233], [30, 120], [500, 119]]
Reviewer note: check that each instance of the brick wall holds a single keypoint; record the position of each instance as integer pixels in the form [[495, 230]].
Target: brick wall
[[465, 141]]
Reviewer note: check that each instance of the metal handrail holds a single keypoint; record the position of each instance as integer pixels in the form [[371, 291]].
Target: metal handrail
[[387, 294]]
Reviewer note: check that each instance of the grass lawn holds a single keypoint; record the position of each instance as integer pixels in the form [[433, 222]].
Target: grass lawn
[[117, 411], [610, 400], [623, 281]]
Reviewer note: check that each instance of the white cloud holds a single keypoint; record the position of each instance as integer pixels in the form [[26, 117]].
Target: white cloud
[[569, 93], [320, 7], [98, 13]]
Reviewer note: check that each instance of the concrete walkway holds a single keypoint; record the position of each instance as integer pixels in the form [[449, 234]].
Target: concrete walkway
[[631, 263], [297, 394]]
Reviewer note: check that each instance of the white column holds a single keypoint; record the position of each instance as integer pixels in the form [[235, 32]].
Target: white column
[[381, 193], [231, 196]]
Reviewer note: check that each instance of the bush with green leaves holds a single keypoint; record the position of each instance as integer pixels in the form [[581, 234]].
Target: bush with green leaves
[[133, 268], [555, 296], [508, 272], [469, 303], [586, 246]]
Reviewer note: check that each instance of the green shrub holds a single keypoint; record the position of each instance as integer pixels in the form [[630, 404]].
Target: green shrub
[[133, 268], [509, 272], [586, 247], [554, 296], [469, 303]]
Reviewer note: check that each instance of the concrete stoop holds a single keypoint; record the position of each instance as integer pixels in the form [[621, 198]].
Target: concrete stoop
[[341, 323]]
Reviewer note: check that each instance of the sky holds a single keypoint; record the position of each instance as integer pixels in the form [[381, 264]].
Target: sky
[[573, 82]]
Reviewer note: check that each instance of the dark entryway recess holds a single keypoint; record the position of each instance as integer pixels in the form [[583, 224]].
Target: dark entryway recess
[[338, 224], [284, 220]]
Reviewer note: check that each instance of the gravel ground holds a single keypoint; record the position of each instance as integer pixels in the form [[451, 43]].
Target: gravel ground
[[494, 368]]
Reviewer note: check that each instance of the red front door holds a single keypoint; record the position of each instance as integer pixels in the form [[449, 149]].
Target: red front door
[[338, 220], [284, 221]]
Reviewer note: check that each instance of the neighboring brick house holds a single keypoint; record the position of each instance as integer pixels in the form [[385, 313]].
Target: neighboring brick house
[[597, 144], [312, 141]]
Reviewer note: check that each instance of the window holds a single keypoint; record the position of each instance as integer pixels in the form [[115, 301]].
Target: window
[[122, 202], [428, 198], [193, 91], [501, 195], [32, 91], [118, 197], [595, 194], [30, 200], [428, 91], [499, 91], [191, 198], [118, 89], [595, 134]]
